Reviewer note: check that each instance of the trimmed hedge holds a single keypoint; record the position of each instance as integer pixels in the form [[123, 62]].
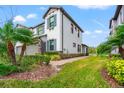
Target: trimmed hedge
[[38, 58], [65, 56], [116, 70], [116, 55]]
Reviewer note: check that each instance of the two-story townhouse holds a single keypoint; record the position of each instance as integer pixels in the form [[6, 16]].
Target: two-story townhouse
[[59, 32], [115, 21]]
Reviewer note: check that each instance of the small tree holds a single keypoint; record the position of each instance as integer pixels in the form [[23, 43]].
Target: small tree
[[6, 36], [104, 48], [118, 39], [25, 36]]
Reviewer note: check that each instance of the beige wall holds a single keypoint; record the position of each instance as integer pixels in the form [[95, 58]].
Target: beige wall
[[30, 50]]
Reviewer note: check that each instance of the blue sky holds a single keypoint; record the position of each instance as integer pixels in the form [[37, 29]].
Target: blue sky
[[94, 20]]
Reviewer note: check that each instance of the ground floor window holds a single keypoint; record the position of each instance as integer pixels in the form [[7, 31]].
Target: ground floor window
[[51, 45], [74, 44], [79, 48]]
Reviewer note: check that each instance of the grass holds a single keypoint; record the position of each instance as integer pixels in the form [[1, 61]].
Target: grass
[[83, 73]]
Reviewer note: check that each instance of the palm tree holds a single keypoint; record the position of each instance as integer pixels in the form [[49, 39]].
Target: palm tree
[[118, 39], [25, 36], [104, 48], [6, 35], [3, 49]]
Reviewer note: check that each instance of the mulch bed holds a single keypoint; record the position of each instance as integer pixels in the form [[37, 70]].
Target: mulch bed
[[42, 72], [112, 82]]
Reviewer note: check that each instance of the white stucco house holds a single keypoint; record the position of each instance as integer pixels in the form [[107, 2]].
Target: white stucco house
[[59, 32], [115, 21]]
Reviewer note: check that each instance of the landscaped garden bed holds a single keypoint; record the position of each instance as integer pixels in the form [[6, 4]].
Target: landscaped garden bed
[[84, 73], [115, 69], [39, 73]]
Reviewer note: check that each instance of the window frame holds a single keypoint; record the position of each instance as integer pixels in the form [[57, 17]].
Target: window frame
[[79, 48], [74, 44], [72, 28], [41, 31], [78, 33], [51, 22]]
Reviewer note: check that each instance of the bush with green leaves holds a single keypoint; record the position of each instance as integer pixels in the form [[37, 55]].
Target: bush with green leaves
[[115, 68], [46, 60], [7, 69], [55, 57]]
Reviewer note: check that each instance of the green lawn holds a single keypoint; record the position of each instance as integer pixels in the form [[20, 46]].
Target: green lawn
[[83, 73]]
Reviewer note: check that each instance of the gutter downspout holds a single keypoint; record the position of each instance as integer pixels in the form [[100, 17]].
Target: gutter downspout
[[62, 33]]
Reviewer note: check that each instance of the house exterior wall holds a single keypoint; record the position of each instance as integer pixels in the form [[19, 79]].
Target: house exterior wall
[[64, 42], [56, 32], [32, 49], [69, 38], [114, 24]]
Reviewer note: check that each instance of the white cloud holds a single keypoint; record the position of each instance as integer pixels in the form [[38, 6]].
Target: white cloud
[[98, 31], [42, 8], [87, 32], [29, 16], [102, 7], [19, 19]]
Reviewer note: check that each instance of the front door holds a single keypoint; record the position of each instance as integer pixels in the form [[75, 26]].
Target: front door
[[43, 47]]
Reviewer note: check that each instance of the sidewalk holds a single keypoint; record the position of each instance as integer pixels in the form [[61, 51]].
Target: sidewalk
[[58, 64]]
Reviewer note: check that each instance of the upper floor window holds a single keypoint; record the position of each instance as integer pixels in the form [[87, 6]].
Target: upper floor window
[[51, 22], [72, 28], [78, 33], [75, 28], [121, 20], [40, 30]]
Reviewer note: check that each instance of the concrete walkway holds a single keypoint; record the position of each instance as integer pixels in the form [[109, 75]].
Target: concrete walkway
[[58, 64]]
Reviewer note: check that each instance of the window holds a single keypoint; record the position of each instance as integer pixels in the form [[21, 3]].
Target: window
[[51, 45], [75, 28], [40, 30], [78, 33], [51, 22], [121, 20], [79, 48], [72, 28], [74, 44]]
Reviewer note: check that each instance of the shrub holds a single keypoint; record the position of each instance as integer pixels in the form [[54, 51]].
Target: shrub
[[116, 70], [31, 60], [116, 55], [55, 57], [47, 60], [7, 69], [65, 56], [51, 53]]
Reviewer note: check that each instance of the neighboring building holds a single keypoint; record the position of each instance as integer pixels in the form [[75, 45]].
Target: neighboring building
[[85, 49], [59, 32], [115, 21]]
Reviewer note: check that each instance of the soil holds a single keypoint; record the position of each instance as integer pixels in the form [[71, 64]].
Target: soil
[[42, 72], [111, 81]]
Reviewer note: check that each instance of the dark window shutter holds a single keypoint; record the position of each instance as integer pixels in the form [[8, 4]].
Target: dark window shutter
[[55, 21], [48, 46], [48, 23], [54, 44]]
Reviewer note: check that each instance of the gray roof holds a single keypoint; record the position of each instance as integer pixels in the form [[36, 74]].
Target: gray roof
[[115, 15], [65, 13]]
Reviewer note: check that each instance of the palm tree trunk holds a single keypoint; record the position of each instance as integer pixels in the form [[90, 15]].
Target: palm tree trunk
[[11, 52], [121, 51], [22, 52]]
